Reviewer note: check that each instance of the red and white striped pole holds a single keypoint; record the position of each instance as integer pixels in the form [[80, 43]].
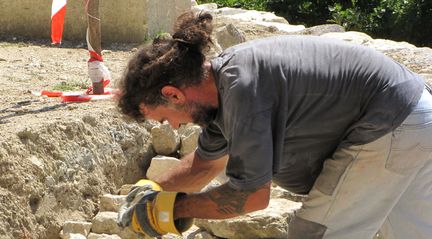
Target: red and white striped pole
[[93, 35], [58, 12], [98, 72]]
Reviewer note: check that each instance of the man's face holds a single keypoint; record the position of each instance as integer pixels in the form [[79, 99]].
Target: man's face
[[176, 115]]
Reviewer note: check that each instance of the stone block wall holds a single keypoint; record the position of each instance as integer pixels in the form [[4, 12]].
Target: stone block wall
[[122, 21]]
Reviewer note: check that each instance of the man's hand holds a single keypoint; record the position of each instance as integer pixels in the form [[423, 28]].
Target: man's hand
[[98, 72], [150, 211]]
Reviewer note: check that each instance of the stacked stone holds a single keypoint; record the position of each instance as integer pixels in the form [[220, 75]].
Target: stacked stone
[[168, 141], [269, 223], [103, 225]]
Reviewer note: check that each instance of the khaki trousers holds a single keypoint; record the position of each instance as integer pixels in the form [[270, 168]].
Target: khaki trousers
[[386, 183]]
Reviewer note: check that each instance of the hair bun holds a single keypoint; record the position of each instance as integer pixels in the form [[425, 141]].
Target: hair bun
[[193, 30]]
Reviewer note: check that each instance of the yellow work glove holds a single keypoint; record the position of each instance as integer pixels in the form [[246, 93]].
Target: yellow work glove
[[148, 210]]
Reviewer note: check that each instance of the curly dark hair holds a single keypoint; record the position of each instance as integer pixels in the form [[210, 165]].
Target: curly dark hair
[[175, 61]]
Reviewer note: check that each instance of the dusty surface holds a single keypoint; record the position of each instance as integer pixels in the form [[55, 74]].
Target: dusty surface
[[26, 67], [56, 158]]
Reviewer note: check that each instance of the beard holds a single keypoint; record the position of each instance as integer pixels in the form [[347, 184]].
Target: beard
[[202, 115]]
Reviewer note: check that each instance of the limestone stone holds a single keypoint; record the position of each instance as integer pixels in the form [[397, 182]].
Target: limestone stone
[[74, 236], [160, 164], [283, 27], [278, 192], [76, 227], [253, 17], [416, 59], [149, 124], [189, 139], [229, 35], [271, 222], [105, 223], [201, 235], [102, 236], [322, 29], [385, 45], [165, 139], [127, 233], [193, 233], [351, 36], [205, 7], [112, 203]]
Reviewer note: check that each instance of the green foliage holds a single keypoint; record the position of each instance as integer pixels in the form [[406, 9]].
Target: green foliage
[[70, 86], [407, 20], [357, 16], [306, 12], [259, 5]]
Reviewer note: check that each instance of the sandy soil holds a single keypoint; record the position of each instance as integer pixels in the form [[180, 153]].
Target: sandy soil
[[36, 66], [56, 159]]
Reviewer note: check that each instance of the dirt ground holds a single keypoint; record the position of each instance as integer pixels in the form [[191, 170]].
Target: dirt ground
[[56, 159], [36, 66]]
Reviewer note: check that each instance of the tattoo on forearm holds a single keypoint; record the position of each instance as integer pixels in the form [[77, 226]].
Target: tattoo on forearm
[[230, 201]]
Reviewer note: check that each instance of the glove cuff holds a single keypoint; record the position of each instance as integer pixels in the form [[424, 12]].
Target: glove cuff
[[145, 182], [164, 213]]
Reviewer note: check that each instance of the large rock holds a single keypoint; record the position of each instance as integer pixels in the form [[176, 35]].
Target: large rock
[[200, 235], [278, 192], [322, 29], [74, 236], [165, 139], [189, 139], [102, 236], [105, 223], [232, 25], [229, 35], [351, 36], [250, 15], [111, 203], [159, 165], [416, 59], [76, 227], [269, 223], [265, 19], [207, 7]]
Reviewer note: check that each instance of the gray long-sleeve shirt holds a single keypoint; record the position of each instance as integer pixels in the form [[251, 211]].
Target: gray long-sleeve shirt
[[286, 103]]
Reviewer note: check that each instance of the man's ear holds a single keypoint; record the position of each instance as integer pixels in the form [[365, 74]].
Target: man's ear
[[173, 94]]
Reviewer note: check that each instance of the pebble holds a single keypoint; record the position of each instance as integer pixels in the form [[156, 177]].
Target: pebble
[[50, 181]]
